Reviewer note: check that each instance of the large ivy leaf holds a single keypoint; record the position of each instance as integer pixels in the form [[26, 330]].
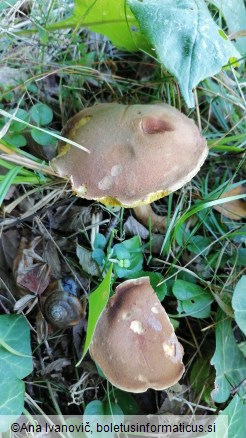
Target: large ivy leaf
[[15, 356], [108, 17], [236, 412], [228, 360], [98, 412], [239, 303], [231, 422], [15, 364], [234, 13], [186, 39], [12, 392]]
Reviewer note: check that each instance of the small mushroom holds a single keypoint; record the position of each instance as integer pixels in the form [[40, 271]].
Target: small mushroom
[[138, 153], [134, 342]]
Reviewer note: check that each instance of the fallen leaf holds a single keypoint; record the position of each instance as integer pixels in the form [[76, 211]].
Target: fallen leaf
[[234, 210], [133, 227], [85, 260], [30, 270]]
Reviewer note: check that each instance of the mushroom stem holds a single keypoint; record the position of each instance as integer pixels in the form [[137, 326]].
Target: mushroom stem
[[146, 215]]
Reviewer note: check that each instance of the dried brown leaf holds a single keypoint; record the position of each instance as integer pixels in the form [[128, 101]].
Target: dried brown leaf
[[133, 227], [235, 209], [30, 270]]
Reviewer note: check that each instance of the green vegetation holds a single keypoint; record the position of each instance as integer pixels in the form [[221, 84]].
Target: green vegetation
[[57, 57]]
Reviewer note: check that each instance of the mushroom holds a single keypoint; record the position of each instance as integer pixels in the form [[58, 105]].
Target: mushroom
[[134, 341], [138, 153]]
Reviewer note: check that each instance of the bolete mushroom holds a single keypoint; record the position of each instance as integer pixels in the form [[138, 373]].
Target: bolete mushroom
[[134, 342], [138, 153]]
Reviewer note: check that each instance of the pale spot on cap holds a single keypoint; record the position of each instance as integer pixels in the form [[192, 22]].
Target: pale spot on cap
[[137, 327], [125, 316], [170, 350], [142, 378], [154, 309], [106, 183], [154, 323], [116, 170]]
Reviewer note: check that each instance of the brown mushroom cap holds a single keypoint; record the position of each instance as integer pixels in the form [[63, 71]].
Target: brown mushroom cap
[[134, 342], [139, 153]]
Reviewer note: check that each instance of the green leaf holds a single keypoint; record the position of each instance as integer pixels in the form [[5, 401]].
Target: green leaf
[[121, 252], [6, 183], [192, 299], [42, 138], [100, 241], [202, 378], [97, 303], [15, 356], [182, 235], [198, 244], [126, 401], [98, 255], [238, 257], [41, 114], [22, 115], [236, 413], [130, 256], [15, 364], [11, 350], [228, 360], [97, 407], [111, 18], [234, 13], [186, 40], [37, 128], [12, 391], [242, 347], [98, 412], [17, 140], [239, 303]]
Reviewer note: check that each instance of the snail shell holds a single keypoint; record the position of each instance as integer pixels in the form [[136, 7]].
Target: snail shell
[[60, 307]]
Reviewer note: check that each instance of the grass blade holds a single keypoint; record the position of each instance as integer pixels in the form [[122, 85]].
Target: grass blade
[[6, 183]]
